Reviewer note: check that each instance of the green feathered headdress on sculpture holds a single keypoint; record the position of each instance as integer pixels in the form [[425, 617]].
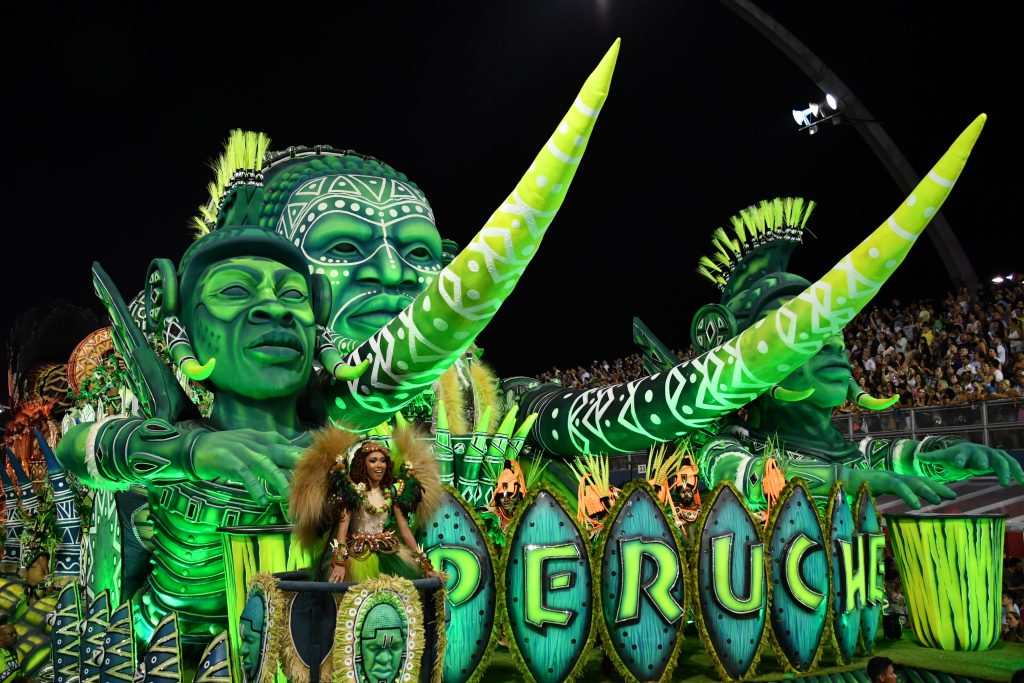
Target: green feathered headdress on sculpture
[[750, 265], [751, 257]]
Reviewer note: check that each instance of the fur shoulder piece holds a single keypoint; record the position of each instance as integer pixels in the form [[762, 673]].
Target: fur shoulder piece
[[308, 505], [417, 468]]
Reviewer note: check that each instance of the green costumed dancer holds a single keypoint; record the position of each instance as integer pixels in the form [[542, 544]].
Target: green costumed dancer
[[353, 487]]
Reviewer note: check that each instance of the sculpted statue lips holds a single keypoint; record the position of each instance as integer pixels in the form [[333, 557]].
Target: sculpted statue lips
[[278, 346], [834, 368], [377, 311]]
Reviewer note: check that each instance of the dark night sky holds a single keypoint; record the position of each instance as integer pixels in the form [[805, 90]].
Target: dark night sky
[[110, 116]]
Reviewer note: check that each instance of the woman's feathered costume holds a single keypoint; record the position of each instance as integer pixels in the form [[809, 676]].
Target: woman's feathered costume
[[322, 489]]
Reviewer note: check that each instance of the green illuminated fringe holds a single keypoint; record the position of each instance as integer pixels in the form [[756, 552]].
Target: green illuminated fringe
[[437, 672], [596, 567], [752, 227], [499, 615], [513, 647], [276, 622], [833, 497], [772, 640], [693, 588], [866, 647], [243, 150]]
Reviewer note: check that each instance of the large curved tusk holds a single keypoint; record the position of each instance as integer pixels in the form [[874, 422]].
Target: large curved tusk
[[781, 393], [859, 395], [425, 339], [662, 407]]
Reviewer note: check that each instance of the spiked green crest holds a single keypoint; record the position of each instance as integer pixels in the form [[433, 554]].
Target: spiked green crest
[[758, 225], [243, 151]]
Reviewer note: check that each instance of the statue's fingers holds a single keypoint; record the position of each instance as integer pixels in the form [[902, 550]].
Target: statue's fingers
[[923, 489], [252, 484], [1000, 467], [903, 490], [1016, 471], [268, 470]]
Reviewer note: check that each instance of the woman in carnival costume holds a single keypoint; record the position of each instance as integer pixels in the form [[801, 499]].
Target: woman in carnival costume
[[366, 492]]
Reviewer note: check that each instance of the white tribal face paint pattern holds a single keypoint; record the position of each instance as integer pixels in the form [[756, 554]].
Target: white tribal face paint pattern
[[373, 238]]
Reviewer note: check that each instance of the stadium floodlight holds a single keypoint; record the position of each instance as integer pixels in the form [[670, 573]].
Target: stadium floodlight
[[817, 112], [998, 279]]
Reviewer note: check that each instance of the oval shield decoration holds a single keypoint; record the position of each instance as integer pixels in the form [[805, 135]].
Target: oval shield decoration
[[799, 566], [548, 589], [455, 542], [642, 586], [732, 587], [865, 516], [845, 612]]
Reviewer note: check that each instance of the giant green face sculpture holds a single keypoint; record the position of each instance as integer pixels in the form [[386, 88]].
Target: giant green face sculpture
[[374, 239], [382, 644], [828, 372], [253, 315]]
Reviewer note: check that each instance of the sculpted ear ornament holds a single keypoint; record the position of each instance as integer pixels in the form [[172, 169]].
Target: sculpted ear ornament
[[857, 394], [329, 355], [781, 393], [162, 305], [181, 351]]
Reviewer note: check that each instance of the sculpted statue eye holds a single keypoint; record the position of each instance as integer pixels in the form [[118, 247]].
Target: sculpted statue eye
[[420, 252], [344, 249], [235, 292], [293, 294]]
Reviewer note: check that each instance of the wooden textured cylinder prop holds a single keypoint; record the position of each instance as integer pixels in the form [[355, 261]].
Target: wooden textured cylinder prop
[[951, 567]]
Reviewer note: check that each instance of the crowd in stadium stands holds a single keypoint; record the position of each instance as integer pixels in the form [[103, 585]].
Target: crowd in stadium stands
[[966, 348], [1012, 598]]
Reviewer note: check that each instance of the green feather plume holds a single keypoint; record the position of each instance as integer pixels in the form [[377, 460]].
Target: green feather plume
[[243, 150], [757, 224]]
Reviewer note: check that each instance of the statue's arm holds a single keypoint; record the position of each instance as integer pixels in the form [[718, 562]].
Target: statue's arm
[[941, 458], [117, 452]]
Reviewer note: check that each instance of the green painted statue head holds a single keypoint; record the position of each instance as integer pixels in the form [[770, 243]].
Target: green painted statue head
[[750, 267], [360, 224], [241, 309]]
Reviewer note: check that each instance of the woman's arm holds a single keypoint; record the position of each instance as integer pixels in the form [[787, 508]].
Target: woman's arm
[[410, 542], [339, 563]]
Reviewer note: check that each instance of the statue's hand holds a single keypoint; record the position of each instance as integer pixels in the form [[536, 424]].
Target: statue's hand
[[966, 459], [907, 487], [246, 456]]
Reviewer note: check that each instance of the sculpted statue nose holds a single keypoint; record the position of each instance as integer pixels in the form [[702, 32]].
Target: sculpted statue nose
[[384, 267], [271, 312]]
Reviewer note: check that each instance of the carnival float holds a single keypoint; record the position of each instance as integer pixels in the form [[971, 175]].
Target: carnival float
[[281, 458]]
